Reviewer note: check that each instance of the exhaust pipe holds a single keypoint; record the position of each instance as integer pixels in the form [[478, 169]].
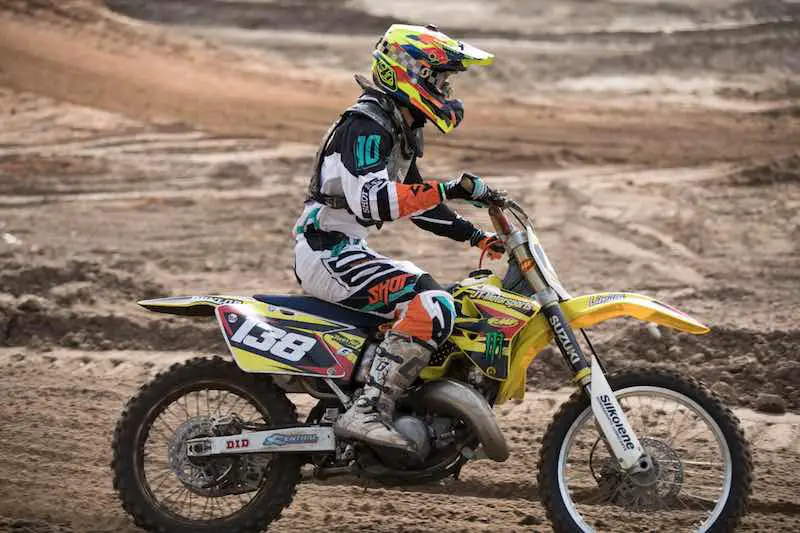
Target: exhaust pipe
[[458, 399]]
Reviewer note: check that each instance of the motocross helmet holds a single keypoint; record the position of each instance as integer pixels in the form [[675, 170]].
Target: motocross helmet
[[413, 63]]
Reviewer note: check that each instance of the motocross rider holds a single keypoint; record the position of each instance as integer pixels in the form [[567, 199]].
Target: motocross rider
[[366, 174]]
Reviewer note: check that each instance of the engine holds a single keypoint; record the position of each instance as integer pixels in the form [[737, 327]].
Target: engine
[[416, 431], [434, 433]]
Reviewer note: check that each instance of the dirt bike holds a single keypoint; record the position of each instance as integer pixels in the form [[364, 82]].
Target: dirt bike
[[210, 445]]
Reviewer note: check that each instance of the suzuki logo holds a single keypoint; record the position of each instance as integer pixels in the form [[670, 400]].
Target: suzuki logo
[[564, 340]]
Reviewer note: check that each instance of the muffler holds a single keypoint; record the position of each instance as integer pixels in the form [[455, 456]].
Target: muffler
[[454, 398]]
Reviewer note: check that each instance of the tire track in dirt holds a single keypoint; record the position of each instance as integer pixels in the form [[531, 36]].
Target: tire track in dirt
[[151, 195], [195, 148], [109, 365], [626, 249]]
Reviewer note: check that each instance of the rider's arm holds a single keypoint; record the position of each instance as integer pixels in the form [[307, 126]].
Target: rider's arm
[[371, 195], [441, 220]]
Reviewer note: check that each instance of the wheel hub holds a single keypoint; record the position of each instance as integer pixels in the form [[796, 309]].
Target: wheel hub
[[212, 476], [194, 475], [648, 489]]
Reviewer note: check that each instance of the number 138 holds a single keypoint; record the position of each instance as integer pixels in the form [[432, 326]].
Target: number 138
[[272, 340]]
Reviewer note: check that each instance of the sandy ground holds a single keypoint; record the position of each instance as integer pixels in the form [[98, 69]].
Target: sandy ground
[[163, 150]]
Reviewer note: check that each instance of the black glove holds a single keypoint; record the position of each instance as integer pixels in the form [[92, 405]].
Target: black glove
[[468, 187], [489, 242]]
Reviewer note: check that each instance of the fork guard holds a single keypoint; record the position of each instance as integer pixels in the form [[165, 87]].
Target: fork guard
[[584, 312]]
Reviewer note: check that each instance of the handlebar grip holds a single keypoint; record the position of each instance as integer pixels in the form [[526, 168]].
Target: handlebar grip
[[468, 181]]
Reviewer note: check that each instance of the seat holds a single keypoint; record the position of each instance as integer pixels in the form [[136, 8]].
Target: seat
[[321, 308]]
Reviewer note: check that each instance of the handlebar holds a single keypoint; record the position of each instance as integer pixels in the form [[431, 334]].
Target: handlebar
[[501, 224], [498, 204], [497, 199]]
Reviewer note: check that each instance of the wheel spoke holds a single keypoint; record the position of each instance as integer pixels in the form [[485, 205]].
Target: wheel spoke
[[185, 405], [690, 437], [235, 403], [220, 400], [205, 507], [162, 478]]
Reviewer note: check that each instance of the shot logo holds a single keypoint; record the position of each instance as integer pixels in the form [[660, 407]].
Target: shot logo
[[390, 290]]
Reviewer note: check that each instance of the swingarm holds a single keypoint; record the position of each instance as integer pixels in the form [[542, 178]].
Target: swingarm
[[296, 439]]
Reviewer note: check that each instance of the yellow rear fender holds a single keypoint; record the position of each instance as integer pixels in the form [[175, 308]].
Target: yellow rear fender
[[192, 305], [584, 312]]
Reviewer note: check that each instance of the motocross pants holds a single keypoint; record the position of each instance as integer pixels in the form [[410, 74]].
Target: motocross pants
[[344, 270]]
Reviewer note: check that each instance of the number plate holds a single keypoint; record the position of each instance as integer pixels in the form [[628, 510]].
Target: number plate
[[269, 339]]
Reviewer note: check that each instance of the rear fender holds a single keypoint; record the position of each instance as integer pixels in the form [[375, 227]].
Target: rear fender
[[192, 305], [584, 312]]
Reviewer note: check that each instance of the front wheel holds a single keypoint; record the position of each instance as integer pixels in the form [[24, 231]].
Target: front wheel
[[702, 469], [164, 490]]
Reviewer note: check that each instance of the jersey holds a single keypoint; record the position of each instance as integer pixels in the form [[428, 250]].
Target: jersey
[[361, 163]]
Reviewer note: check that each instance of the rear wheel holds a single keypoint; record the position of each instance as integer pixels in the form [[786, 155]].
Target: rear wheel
[[702, 466], [166, 491]]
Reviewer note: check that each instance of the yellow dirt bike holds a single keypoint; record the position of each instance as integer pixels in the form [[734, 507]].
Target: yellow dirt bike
[[209, 445]]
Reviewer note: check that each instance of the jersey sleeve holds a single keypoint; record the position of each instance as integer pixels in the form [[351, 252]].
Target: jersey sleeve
[[440, 220], [364, 150]]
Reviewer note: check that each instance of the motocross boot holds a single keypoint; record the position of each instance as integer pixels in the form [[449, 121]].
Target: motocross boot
[[397, 363]]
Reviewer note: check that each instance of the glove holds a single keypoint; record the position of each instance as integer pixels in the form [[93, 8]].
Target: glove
[[468, 187], [488, 242]]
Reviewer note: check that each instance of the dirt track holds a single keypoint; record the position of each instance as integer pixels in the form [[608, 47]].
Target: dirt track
[[138, 160]]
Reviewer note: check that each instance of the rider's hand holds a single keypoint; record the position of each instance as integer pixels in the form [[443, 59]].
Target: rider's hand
[[468, 187], [488, 242]]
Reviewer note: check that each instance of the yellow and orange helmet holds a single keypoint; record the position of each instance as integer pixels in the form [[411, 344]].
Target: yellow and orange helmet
[[412, 64]]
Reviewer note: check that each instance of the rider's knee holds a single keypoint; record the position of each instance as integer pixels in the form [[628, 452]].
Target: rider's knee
[[443, 317], [429, 317]]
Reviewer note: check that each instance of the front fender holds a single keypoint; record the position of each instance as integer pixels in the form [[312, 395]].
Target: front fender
[[583, 312], [586, 311]]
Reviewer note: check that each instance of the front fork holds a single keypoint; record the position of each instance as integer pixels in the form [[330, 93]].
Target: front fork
[[617, 432]]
